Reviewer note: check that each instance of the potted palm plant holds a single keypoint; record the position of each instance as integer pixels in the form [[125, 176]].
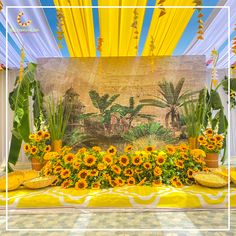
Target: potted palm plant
[[58, 114]]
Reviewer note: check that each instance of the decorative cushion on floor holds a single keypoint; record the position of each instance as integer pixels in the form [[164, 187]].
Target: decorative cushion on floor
[[15, 179], [40, 182]]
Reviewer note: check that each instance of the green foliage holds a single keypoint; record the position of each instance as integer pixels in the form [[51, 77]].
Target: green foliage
[[172, 99], [19, 103], [156, 130], [58, 114], [232, 90], [194, 114]]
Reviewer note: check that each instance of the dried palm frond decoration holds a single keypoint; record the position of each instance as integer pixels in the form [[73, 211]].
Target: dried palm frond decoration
[[1, 5], [163, 10], [99, 43], [214, 75], [200, 21], [60, 23], [151, 52], [22, 60], [135, 28]]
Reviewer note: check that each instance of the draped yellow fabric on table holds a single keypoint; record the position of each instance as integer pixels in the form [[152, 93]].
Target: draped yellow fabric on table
[[167, 30], [115, 27], [78, 28]]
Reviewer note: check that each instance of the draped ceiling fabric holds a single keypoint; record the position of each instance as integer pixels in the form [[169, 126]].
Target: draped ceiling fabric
[[36, 44], [78, 28], [215, 34], [167, 29], [115, 27], [13, 56]]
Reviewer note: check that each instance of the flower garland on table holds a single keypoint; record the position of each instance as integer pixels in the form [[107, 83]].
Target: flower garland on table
[[94, 168]]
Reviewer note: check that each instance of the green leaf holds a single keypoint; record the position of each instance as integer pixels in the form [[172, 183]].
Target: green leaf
[[215, 100]]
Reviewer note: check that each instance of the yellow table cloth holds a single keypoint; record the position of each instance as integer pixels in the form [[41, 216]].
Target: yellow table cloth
[[121, 197]]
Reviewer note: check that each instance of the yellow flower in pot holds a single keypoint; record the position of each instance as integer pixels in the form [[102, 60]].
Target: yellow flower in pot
[[36, 148]]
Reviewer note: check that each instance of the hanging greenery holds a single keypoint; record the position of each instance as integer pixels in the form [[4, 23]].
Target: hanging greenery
[[232, 90], [99, 43], [1, 5], [200, 21], [60, 23], [163, 10], [135, 29], [19, 102], [215, 57]]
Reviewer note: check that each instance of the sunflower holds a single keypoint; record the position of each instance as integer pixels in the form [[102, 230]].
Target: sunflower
[[112, 150], [201, 139], [157, 183], [107, 159], [46, 135], [219, 138], [209, 132], [40, 133], [138, 171], [219, 145], [90, 160], [203, 143], [55, 181], [149, 148], [212, 140], [137, 160], [174, 179], [131, 181], [96, 185], [107, 176], [184, 155], [128, 172], [128, 148], [47, 148], [33, 150], [81, 184], [179, 164], [183, 147], [157, 171], [50, 155], [96, 149], [65, 174], [76, 165], [119, 181], [66, 183], [82, 150], [210, 147], [83, 174], [147, 165], [101, 166], [69, 158], [197, 153], [142, 181], [26, 147], [190, 173], [32, 136], [47, 172], [116, 169], [57, 169], [170, 149], [93, 172], [178, 184], [205, 169], [37, 138], [112, 182], [124, 160], [160, 159]]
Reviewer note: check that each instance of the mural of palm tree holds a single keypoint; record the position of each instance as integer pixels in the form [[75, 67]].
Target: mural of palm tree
[[172, 98]]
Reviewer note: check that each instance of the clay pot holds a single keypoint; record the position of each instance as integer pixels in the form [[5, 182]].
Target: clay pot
[[211, 160], [36, 164], [192, 141], [57, 145]]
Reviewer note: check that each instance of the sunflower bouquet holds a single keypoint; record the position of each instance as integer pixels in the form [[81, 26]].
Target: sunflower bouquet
[[99, 169], [210, 141], [38, 145]]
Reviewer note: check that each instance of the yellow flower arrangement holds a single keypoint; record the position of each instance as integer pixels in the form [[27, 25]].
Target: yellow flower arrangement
[[38, 145], [149, 148], [128, 148], [210, 141], [97, 169]]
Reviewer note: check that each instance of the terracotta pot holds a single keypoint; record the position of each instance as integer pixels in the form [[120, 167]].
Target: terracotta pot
[[211, 160], [36, 164], [192, 141], [57, 145]]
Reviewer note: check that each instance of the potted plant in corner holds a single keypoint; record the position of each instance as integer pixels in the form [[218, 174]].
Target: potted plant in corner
[[211, 143], [36, 148]]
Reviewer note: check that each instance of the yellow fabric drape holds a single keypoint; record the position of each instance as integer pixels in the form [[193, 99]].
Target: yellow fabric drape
[[78, 28], [115, 27], [168, 29]]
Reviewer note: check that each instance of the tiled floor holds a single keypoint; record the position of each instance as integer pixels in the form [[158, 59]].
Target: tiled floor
[[131, 221]]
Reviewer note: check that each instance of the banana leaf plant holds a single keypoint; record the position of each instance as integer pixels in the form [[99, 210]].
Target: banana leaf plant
[[171, 98], [19, 100]]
